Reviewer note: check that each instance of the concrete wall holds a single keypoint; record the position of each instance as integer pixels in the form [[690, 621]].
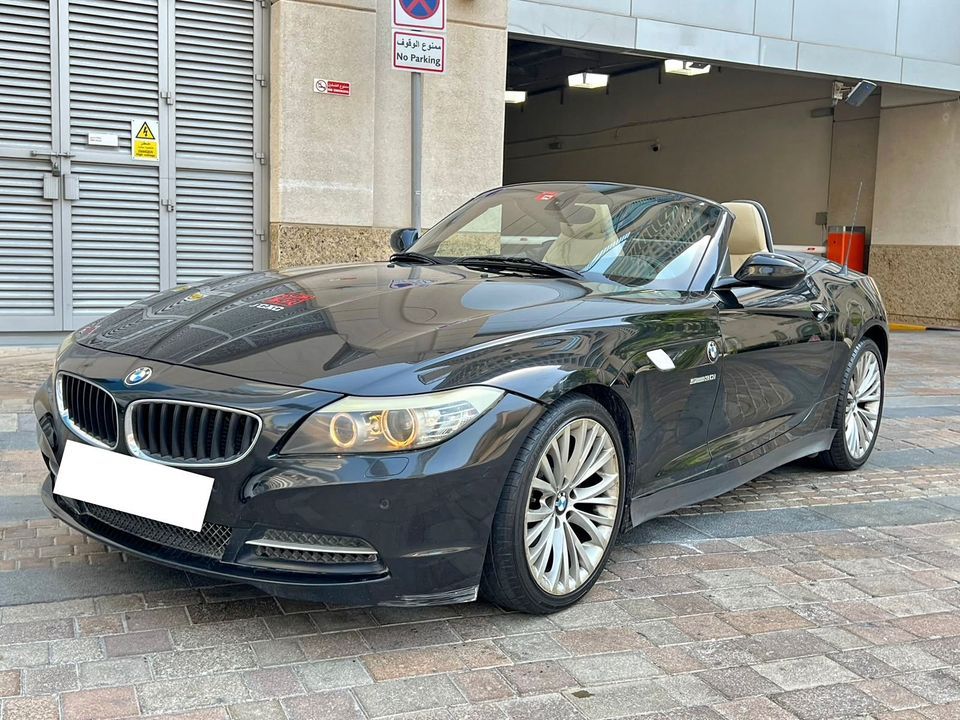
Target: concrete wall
[[915, 256], [853, 159], [913, 42], [726, 135], [340, 166]]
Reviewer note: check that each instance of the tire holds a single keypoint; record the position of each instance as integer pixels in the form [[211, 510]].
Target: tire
[[840, 456], [509, 578]]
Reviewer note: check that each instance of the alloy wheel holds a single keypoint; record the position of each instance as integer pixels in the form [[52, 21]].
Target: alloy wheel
[[862, 413], [572, 506]]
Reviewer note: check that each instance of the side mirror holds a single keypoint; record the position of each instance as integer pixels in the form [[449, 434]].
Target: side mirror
[[767, 270], [403, 239]]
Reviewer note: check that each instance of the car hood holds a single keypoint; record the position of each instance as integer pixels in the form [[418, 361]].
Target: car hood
[[351, 328]]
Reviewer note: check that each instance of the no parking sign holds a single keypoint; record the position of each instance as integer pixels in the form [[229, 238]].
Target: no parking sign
[[420, 14]]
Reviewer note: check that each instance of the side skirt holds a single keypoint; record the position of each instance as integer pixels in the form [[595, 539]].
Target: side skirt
[[689, 493]]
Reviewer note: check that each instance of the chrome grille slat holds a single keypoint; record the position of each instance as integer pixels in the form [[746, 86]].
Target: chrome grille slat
[[88, 410], [313, 548], [177, 432]]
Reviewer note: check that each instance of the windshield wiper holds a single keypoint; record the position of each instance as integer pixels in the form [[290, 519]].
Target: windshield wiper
[[415, 257], [518, 264]]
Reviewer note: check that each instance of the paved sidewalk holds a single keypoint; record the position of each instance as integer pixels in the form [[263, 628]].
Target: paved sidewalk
[[803, 594]]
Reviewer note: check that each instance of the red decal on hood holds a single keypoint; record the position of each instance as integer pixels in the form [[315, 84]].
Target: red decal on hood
[[289, 300]]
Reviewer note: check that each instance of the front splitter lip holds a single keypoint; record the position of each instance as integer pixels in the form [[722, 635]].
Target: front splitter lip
[[379, 590]]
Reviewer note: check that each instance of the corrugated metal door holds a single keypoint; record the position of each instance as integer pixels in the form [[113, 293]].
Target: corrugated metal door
[[218, 154], [115, 234], [113, 228], [29, 223]]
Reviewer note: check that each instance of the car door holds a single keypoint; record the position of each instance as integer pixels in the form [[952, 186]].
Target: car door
[[673, 401], [778, 348]]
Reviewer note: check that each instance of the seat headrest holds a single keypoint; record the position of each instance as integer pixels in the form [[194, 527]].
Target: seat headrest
[[748, 235]]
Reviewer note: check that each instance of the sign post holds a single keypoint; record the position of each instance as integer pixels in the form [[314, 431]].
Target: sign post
[[419, 46]]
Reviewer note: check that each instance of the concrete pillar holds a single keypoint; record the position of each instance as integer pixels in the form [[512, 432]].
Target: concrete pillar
[[915, 255], [340, 166]]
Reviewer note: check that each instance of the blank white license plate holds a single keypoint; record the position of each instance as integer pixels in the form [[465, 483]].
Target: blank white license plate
[[134, 486]]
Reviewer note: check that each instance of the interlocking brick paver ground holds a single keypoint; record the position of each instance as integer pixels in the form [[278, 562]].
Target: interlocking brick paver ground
[[803, 594]]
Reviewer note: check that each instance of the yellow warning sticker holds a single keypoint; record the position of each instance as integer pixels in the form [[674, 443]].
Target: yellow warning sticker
[[144, 142], [145, 133]]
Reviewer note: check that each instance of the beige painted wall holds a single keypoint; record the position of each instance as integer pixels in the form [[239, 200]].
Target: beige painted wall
[[344, 163], [727, 135], [853, 158], [918, 175], [915, 257]]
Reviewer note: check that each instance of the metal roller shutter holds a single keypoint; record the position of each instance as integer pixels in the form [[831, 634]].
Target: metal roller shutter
[[216, 109], [28, 223], [116, 238], [26, 117], [214, 68], [27, 268], [214, 224], [86, 228], [114, 67], [115, 233]]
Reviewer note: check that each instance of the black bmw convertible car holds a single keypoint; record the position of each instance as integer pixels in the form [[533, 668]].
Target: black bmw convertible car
[[542, 370]]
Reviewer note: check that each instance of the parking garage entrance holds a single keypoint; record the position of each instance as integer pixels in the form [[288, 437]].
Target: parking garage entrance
[[725, 133]]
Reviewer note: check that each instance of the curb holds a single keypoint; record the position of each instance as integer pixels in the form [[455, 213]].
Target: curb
[[906, 327]]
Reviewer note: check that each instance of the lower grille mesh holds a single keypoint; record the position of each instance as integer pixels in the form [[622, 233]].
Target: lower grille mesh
[[210, 542]]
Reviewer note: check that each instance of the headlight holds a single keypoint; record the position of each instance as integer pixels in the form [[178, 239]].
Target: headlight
[[389, 424]]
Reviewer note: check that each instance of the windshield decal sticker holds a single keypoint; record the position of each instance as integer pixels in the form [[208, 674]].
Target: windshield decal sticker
[[545, 196]]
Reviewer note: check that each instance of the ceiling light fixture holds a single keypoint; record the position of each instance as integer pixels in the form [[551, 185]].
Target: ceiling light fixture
[[514, 97], [686, 67], [588, 80]]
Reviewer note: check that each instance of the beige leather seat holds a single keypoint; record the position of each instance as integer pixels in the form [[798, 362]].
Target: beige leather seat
[[748, 235], [579, 243]]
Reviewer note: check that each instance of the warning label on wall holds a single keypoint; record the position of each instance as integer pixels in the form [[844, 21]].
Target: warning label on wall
[[144, 142]]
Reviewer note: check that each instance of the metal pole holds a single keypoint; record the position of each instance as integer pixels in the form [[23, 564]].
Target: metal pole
[[416, 147]]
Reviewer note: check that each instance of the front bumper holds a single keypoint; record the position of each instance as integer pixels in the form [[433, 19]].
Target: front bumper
[[426, 513]]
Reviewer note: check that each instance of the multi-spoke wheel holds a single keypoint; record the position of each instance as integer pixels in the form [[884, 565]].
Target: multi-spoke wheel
[[560, 510], [857, 418], [863, 405], [572, 507]]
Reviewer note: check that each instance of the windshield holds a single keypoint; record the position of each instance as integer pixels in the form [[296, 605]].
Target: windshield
[[628, 235]]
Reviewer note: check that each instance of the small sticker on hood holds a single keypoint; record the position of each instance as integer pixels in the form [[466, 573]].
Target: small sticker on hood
[[278, 303]]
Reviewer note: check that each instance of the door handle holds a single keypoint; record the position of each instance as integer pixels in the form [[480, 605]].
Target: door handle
[[819, 311]]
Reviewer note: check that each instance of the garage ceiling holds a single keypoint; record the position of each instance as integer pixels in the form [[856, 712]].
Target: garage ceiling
[[540, 67]]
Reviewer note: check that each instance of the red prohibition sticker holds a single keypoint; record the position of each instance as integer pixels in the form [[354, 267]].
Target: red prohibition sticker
[[544, 196]]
